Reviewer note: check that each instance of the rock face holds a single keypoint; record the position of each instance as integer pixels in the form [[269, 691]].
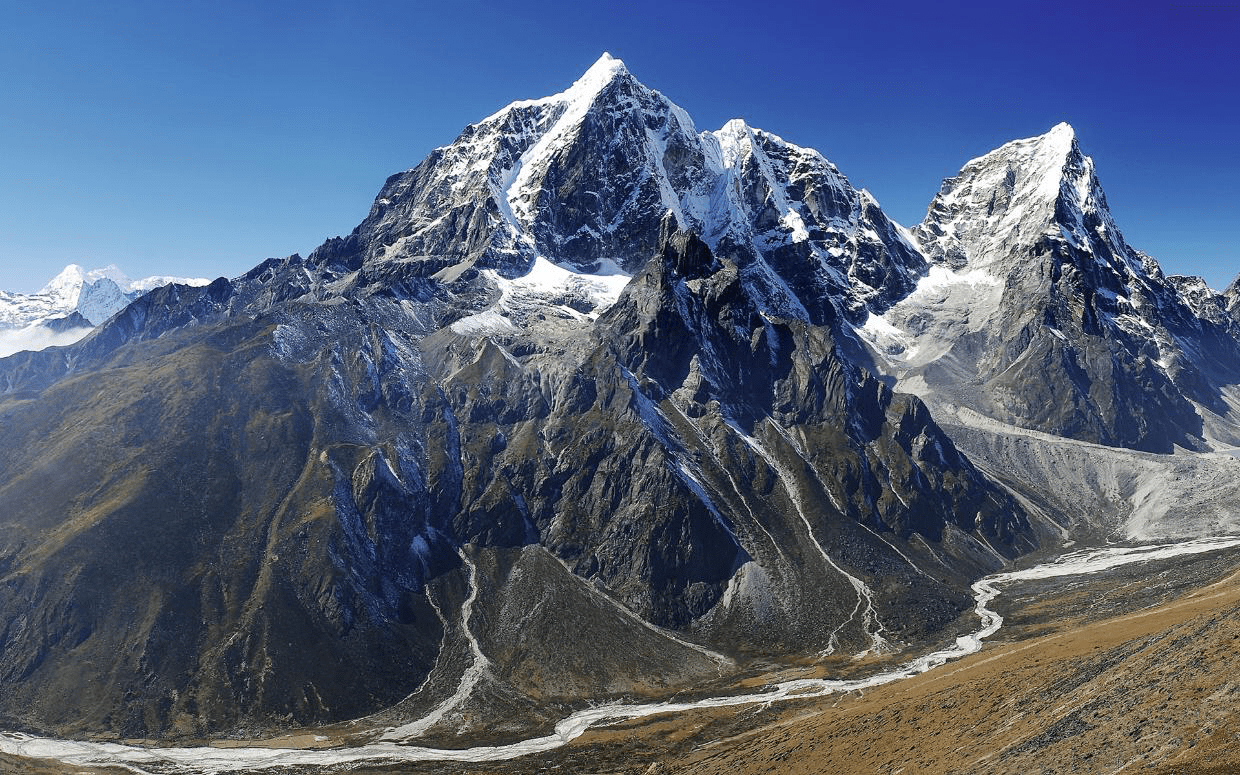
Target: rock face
[[69, 322], [1232, 298], [1035, 310], [571, 413]]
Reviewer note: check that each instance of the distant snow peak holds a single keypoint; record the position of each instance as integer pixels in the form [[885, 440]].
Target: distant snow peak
[[65, 285], [73, 278], [95, 294]]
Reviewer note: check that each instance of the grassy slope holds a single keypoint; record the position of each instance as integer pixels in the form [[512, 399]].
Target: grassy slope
[[1135, 670]]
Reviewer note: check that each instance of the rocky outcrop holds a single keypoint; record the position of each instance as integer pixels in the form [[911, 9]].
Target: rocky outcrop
[[1232, 296]]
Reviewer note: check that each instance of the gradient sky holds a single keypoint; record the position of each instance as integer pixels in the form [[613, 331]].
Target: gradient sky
[[198, 138]]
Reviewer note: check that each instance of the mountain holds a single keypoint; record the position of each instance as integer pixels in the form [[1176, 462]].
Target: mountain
[[591, 404], [575, 412], [96, 294], [1232, 297], [69, 306], [1036, 312], [584, 179]]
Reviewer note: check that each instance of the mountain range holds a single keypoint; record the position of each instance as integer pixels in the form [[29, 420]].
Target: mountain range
[[592, 404], [75, 301]]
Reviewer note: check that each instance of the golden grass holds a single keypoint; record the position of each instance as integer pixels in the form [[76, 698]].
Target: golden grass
[[1155, 688]]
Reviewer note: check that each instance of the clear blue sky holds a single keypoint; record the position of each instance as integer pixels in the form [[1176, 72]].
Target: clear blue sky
[[198, 138]]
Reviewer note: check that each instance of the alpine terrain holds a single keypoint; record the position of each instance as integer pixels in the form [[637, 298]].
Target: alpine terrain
[[593, 406], [69, 306]]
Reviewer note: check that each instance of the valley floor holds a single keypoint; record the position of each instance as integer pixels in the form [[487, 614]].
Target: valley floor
[[1134, 670], [1130, 670]]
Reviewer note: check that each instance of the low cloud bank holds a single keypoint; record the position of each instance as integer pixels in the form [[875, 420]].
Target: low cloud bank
[[37, 338]]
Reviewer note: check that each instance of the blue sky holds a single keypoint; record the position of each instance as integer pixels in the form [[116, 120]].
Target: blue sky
[[198, 138]]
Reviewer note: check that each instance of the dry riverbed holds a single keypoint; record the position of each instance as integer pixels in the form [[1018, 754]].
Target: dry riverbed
[[1132, 669]]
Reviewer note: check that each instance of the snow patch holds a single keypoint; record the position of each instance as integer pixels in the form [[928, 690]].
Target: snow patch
[[923, 326], [547, 289]]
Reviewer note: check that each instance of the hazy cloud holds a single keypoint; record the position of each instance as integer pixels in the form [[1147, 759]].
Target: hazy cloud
[[37, 338]]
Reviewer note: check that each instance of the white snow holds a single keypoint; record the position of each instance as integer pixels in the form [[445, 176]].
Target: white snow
[[489, 321], [545, 289], [547, 278], [944, 306], [286, 340], [877, 326]]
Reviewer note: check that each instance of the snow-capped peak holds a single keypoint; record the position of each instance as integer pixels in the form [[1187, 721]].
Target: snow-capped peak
[[1031, 167], [1014, 195], [1062, 135], [73, 278], [596, 78], [585, 177], [66, 285], [606, 132], [1044, 153], [582, 92], [524, 180], [97, 294]]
